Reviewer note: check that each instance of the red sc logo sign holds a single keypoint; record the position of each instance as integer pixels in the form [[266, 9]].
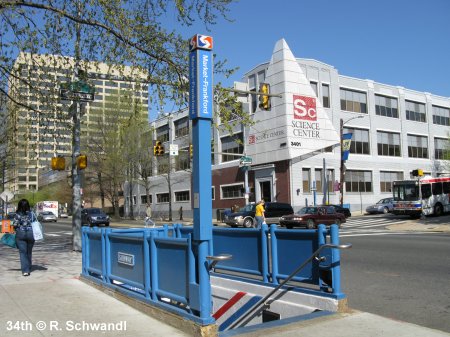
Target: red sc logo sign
[[305, 108]]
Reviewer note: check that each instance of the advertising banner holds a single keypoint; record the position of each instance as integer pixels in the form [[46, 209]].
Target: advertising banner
[[346, 142]]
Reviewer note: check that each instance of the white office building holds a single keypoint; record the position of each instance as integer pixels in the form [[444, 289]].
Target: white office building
[[295, 144]]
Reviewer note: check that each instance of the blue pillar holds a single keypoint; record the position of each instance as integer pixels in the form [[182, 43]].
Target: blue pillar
[[200, 112]]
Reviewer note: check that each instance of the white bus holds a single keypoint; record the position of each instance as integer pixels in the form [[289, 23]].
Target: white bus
[[433, 199], [51, 206]]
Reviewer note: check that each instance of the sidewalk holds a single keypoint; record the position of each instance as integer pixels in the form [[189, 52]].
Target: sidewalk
[[54, 302]]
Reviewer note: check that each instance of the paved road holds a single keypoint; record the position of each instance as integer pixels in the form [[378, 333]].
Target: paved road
[[404, 277]]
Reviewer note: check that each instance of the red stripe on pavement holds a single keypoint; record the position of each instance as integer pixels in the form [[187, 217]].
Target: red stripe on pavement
[[232, 301]]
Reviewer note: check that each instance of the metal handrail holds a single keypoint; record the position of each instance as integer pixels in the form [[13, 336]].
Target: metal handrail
[[274, 290]]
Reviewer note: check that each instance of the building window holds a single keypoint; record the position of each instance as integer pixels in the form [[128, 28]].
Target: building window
[[415, 111], [183, 160], [441, 149], [417, 146], [306, 177], [388, 144], [162, 198], [232, 191], [253, 97], [213, 191], [318, 179], [326, 95], [386, 179], [358, 181], [314, 88], [144, 199], [330, 180], [386, 106], [353, 101], [182, 196], [441, 116], [232, 144], [181, 127], [360, 141], [162, 133]]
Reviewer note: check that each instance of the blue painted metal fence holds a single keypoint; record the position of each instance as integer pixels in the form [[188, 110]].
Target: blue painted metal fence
[[158, 265]]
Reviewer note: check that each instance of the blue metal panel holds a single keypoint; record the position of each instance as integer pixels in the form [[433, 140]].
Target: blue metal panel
[[131, 245], [172, 266], [245, 246], [294, 247], [95, 251]]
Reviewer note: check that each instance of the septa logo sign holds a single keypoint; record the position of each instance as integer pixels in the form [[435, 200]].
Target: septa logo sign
[[305, 108], [201, 42]]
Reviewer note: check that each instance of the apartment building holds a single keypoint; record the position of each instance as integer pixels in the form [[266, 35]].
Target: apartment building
[[45, 130], [295, 145]]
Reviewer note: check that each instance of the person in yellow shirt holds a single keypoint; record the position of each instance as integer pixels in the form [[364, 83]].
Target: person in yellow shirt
[[259, 214]]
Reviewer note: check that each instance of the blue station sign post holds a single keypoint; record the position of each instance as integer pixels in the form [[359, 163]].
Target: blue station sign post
[[201, 114]]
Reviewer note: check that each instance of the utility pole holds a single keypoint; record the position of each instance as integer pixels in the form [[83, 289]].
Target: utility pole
[[76, 110], [342, 166]]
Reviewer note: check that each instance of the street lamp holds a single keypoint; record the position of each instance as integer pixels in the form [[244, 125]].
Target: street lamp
[[341, 180]]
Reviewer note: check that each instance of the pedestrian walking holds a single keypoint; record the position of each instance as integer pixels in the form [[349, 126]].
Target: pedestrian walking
[[24, 234], [148, 211], [259, 214], [180, 213]]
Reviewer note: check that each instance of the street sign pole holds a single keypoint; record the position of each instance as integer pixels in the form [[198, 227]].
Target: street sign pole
[[200, 112]]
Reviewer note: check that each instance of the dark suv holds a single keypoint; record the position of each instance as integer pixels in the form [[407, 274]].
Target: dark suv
[[94, 217], [246, 216]]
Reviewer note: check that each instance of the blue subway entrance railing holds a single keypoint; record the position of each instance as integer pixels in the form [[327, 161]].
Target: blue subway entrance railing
[[158, 265]]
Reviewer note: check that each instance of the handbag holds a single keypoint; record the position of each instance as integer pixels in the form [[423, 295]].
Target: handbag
[[38, 233], [9, 240]]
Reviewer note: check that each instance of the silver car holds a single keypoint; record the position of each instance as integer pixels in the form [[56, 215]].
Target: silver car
[[47, 216], [385, 206]]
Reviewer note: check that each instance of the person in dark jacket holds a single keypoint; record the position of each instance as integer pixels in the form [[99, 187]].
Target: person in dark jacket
[[24, 234]]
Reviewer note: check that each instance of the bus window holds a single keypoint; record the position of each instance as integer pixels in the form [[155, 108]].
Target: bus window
[[426, 191], [446, 187], [437, 188]]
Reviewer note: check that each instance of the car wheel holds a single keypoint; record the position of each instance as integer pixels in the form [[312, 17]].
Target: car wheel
[[248, 223], [289, 226], [310, 224], [338, 223], [385, 210], [438, 210]]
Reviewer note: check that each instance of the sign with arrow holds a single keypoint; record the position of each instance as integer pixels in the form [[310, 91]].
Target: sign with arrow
[[77, 91]]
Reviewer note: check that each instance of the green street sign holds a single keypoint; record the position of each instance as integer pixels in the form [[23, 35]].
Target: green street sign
[[77, 91], [244, 161]]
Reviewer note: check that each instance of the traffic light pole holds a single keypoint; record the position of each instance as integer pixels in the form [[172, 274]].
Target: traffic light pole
[[76, 179]]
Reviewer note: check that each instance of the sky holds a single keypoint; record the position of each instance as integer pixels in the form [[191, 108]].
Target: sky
[[396, 42]]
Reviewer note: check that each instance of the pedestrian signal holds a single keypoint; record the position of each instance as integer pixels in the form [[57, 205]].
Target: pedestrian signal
[[58, 163], [82, 161], [417, 173]]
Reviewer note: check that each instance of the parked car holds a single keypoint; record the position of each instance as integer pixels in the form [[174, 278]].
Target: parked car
[[63, 214], [340, 209], [311, 217], [246, 216], [47, 216], [385, 206], [94, 217]]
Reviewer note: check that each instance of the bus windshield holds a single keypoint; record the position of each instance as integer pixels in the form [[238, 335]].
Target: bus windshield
[[406, 192]]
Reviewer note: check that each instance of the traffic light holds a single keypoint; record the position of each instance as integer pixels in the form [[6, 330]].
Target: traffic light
[[158, 149], [191, 151], [417, 173], [58, 163], [264, 99], [82, 161]]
